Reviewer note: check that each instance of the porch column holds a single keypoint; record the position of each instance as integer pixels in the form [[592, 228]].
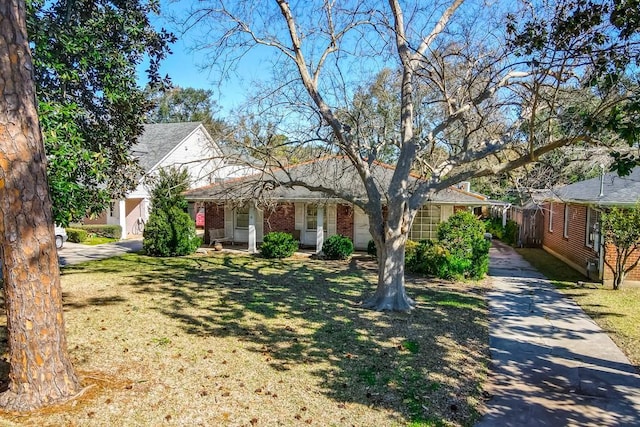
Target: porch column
[[252, 230], [320, 229], [504, 216], [122, 218]]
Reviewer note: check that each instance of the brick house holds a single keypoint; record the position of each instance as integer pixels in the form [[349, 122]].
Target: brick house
[[245, 209], [571, 230]]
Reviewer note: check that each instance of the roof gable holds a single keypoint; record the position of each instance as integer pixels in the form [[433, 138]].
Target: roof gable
[[159, 140]]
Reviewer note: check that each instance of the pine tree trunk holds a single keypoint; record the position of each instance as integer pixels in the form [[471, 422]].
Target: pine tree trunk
[[40, 369], [390, 293]]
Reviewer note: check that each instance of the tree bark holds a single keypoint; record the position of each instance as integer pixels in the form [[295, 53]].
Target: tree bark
[[390, 293], [40, 369]]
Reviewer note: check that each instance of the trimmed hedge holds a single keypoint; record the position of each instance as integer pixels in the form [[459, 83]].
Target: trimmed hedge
[[278, 244], [76, 235], [108, 231], [337, 247]]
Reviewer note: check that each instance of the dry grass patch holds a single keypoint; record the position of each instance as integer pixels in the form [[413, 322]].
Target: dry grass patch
[[617, 312], [234, 340]]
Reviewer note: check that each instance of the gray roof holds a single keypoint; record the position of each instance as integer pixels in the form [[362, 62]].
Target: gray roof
[[616, 190], [158, 140], [316, 180]]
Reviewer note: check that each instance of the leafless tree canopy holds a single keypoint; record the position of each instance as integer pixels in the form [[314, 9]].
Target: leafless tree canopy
[[449, 89]]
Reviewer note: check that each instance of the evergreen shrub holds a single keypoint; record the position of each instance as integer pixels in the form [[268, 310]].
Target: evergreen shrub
[[76, 235], [337, 247], [170, 233], [463, 236], [278, 244], [510, 235]]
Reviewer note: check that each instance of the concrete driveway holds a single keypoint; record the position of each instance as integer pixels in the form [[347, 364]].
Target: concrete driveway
[[74, 253], [552, 365]]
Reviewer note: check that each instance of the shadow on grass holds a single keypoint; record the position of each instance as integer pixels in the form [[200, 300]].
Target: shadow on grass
[[308, 312]]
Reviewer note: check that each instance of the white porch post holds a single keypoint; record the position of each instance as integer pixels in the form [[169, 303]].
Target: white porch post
[[252, 230], [320, 229], [122, 218], [504, 216]]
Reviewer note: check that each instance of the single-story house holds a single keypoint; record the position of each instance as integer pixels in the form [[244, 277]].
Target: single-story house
[[572, 222], [163, 145], [244, 209]]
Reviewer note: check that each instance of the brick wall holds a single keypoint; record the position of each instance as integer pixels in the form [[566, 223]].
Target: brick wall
[[572, 248], [610, 256], [345, 220], [280, 218], [213, 218]]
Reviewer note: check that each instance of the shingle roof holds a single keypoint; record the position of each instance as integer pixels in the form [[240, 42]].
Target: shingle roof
[[333, 173], [158, 140], [616, 190]]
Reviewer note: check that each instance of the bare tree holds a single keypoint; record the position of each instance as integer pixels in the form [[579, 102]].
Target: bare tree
[[40, 368], [471, 104]]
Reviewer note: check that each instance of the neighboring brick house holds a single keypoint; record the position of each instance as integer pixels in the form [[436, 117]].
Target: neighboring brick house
[[247, 208], [572, 222]]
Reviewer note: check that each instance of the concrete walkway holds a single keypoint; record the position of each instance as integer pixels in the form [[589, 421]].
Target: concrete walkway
[[74, 253], [551, 364]]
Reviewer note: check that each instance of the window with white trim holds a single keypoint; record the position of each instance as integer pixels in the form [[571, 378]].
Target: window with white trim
[[242, 217], [425, 223], [565, 231]]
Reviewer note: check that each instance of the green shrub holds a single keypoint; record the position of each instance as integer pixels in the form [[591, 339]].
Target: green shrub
[[463, 236], [337, 247], [461, 251], [76, 235], [170, 230], [494, 226], [427, 257], [410, 251], [101, 230], [371, 248], [510, 236], [170, 233], [278, 244]]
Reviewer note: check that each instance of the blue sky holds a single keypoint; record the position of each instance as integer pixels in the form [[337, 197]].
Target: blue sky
[[184, 67]]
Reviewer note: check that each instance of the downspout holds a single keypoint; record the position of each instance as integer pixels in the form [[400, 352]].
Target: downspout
[[601, 244]]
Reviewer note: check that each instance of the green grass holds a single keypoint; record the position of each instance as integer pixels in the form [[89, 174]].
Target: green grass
[[96, 240], [617, 312], [223, 339]]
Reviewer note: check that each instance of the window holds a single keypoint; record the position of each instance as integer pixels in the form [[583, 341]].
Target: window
[[112, 209], [242, 217], [312, 218], [425, 223], [551, 217], [565, 231], [592, 228]]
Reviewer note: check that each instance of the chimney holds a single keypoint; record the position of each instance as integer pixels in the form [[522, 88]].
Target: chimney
[[465, 186]]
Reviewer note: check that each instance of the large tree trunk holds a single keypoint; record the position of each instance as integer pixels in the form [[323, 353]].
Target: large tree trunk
[[390, 293], [40, 370]]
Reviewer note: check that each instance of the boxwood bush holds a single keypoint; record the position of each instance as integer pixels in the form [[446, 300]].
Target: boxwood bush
[[76, 235], [100, 230], [337, 247], [278, 244]]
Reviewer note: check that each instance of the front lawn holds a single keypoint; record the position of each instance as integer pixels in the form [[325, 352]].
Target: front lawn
[[234, 340], [617, 312]]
